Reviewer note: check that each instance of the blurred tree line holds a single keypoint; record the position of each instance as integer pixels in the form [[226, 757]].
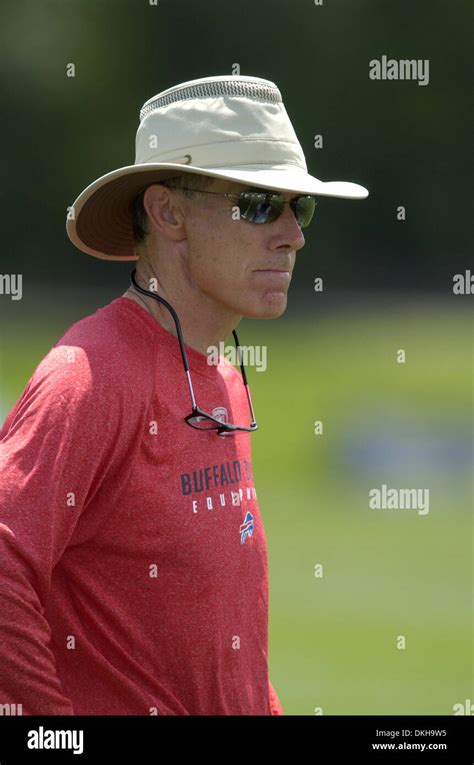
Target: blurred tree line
[[408, 144]]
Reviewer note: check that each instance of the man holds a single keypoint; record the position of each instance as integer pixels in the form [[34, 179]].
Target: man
[[134, 560]]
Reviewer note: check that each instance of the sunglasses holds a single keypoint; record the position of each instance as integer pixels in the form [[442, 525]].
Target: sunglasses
[[198, 418], [257, 206]]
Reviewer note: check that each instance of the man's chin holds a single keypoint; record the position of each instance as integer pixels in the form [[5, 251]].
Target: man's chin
[[272, 306]]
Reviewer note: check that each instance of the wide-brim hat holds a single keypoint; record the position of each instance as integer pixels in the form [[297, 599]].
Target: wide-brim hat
[[232, 127]]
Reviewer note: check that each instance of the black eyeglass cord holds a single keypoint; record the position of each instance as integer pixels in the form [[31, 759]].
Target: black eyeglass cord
[[168, 306], [183, 349]]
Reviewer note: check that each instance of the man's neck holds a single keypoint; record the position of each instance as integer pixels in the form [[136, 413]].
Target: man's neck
[[200, 326]]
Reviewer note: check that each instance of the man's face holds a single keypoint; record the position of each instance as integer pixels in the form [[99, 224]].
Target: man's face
[[245, 266]]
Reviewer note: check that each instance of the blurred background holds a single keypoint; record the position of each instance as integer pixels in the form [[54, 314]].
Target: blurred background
[[332, 357]]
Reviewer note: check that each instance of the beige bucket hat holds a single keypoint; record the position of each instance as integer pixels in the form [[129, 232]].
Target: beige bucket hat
[[232, 127]]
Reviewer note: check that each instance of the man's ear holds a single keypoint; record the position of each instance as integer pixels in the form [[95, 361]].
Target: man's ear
[[165, 211]]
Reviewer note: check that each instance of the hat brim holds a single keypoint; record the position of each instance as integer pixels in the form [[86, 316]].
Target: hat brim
[[100, 222]]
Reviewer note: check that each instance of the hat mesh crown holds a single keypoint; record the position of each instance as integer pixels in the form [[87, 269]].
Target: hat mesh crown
[[210, 89]]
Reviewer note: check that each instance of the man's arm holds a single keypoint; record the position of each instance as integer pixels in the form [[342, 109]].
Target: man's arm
[[275, 704], [55, 448]]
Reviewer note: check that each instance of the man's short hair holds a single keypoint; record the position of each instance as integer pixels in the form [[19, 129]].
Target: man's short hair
[[181, 183]]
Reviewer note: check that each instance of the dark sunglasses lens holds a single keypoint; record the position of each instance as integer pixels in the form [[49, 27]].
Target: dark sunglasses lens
[[260, 208], [304, 208], [201, 422]]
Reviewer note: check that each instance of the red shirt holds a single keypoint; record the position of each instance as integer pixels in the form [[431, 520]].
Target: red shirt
[[133, 575]]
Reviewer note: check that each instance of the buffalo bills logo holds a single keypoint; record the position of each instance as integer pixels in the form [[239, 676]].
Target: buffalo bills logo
[[246, 528]]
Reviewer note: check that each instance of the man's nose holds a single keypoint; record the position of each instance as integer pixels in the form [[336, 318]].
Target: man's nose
[[289, 229]]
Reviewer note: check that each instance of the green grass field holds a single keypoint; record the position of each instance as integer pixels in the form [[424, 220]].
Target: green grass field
[[386, 573]]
